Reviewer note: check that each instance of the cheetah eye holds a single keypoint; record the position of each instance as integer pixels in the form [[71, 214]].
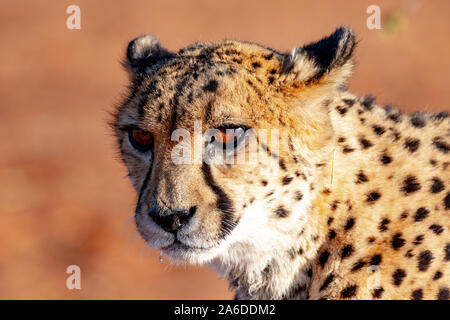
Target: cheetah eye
[[141, 140], [228, 137]]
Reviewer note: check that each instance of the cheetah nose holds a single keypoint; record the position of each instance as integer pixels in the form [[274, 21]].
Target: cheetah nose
[[171, 221]]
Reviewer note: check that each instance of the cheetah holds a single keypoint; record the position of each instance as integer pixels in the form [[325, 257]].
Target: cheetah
[[349, 200]]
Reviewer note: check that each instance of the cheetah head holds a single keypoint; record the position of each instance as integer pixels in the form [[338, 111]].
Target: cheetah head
[[221, 141]]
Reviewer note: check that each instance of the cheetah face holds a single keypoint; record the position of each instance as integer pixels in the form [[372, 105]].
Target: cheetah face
[[210, 141]]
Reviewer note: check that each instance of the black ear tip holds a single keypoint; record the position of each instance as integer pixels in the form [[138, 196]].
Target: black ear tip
[[346, 34], [345, 30], [141, 47]]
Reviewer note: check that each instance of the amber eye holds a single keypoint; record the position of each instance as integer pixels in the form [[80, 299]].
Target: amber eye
[[141, 140], [228, 137], [224, 136]]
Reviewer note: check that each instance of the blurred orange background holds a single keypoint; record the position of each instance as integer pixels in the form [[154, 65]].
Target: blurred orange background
[[64, 198]]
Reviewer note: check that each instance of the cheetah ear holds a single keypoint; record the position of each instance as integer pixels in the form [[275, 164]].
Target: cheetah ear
[[144, 54], [326, 61]]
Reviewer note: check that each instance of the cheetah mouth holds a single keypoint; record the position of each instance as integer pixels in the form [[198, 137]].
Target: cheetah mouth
[[178, 245]]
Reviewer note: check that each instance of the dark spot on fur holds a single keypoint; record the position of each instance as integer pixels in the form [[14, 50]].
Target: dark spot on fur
[[379, 130], [269, 56], [418, 120], [441, 115], [447, 252], [421, 214], [331, 234], [438, 229], [410, 185], [377, 293], [437, 275], [330, 220], [264, 182], [397, 241], [404, 215], [417, 294], [323, 258], [437, 185], [358, 265], [385, 159], [318, 165], [409, 254], [334, 205], [373, 196], [447, 201], [375, 260], [269, 194], [418, 240], [349, 224], [281, 212], [396, 117], [361, 177], [346, 251], [298, 196], [256, 65], [347, 149], [271, 79], [412, 144], [441, 145], [398, 276], [282, 165], [395, 134], [443, 294], [342, 110], [286, 180], [327, 282], [349, 291], [211, 86], [383, 225], [368, 102], [424, 260], [365, 143], [371, 240], [349, 102]]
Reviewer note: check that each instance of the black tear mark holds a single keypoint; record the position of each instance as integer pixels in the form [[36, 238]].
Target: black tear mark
[[223, 202]]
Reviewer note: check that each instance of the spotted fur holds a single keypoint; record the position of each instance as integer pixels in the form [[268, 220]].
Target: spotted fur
[[354, 204]]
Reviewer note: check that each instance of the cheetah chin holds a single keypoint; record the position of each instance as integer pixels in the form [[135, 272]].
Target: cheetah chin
[[262, 165]]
